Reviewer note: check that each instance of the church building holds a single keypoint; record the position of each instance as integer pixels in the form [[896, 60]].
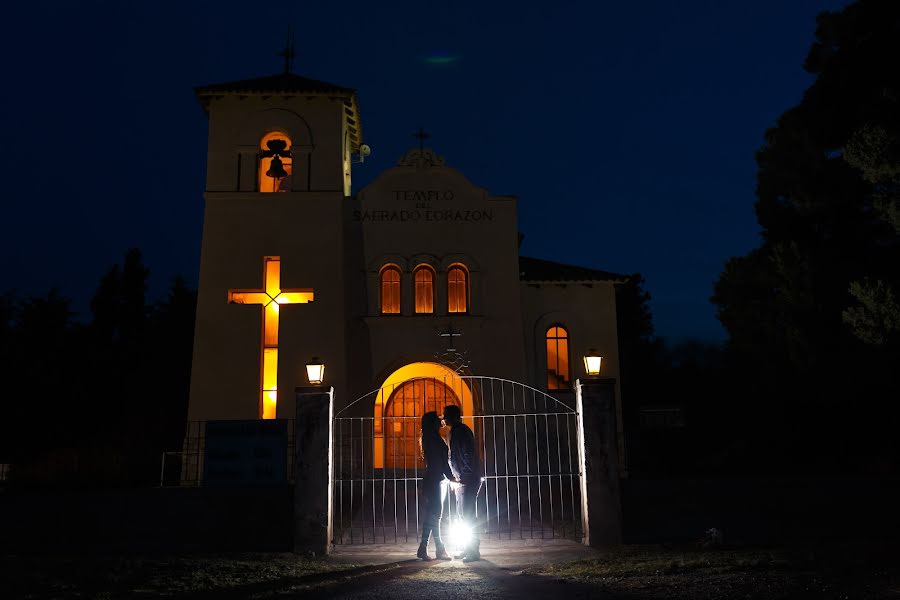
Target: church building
[[415, 278]]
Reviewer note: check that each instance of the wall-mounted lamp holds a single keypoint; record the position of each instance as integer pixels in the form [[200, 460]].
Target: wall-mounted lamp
[[592, 362], [315, 370]]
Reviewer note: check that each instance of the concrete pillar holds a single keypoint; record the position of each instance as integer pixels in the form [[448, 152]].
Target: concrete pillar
[[601, 504], [313, 487]]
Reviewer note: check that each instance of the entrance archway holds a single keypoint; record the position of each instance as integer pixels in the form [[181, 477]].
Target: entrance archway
[[401, 420], [407, 394]]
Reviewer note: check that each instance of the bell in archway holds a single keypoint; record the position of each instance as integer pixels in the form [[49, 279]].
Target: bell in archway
[[276, 169]]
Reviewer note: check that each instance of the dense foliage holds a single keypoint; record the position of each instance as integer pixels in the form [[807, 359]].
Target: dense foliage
[[95, 402], [812, 313]]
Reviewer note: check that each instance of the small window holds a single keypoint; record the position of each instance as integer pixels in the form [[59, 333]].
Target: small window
[[424, 277], [557, 358], [390, 290], [457, 289], [268, 183]]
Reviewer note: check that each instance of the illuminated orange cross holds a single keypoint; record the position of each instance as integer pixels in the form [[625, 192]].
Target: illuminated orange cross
[[271, 297]]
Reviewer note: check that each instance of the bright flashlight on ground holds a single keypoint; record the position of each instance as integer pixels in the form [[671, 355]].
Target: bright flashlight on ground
[[459, 535]]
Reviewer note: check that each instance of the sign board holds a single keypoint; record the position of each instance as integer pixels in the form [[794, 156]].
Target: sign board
[[245, 453]]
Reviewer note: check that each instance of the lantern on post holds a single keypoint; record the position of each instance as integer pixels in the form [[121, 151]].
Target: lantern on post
[[592, 362], [315, 371]]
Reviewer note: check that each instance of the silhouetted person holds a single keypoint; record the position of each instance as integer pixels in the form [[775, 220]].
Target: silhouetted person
[[437, 467], [465, 467]]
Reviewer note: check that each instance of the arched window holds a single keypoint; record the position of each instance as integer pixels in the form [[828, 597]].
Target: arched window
[[424, 277], [557, 358], [457, 289], [267, 183], [390, 290]]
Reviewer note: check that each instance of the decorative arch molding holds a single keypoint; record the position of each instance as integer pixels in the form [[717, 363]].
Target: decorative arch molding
[[471, 265], [278, 119], [379, 262], [439, 264], [423, 258], [439, 377], [549, 319]]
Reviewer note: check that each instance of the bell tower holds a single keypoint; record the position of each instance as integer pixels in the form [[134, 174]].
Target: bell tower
[[318, 122], [278, 174]]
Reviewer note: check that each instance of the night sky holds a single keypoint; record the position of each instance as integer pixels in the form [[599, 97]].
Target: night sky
[[627, 130]]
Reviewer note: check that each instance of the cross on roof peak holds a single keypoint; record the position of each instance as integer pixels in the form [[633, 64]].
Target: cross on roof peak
[[421, 135], [288, 52]]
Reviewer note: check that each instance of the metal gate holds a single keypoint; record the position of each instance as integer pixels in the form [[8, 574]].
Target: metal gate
[[528, 443]]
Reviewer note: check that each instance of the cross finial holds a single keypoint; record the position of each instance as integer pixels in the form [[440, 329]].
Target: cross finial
[[450, 333], [421, 136], [288, 52], [457, 360]]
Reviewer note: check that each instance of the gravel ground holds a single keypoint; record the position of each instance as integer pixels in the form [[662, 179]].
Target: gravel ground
[[510, 570]]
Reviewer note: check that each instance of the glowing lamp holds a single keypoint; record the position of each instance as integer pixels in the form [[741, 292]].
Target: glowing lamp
[[460, 535], [315, 370], [592, 362]]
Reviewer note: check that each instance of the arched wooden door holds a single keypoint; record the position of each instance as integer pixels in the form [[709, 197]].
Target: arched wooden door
[[403, 419]]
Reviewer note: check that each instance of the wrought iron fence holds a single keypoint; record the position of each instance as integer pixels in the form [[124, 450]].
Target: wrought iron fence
[[527, 443]]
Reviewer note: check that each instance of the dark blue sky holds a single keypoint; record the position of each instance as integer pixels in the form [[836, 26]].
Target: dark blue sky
[[627, 130]]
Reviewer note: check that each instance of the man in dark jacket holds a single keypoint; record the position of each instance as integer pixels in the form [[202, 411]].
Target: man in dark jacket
[[466, 470]]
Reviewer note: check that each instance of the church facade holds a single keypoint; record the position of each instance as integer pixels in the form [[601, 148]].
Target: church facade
[[377, 286]]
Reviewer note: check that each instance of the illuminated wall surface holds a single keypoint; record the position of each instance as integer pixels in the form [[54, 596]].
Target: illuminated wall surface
[[271, 298]]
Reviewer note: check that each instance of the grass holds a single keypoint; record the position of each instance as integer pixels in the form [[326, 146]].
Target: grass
[[106, 577], [838, 571], [656, 572]]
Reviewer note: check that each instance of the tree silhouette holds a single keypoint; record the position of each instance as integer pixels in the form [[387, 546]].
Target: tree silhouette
[[95, 403], [823, 228], [639, 350], [873, 150]]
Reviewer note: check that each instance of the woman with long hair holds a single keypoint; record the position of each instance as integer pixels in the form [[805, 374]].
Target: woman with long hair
[[437, 466]]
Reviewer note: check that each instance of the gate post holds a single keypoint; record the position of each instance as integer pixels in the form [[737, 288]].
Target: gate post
[[601, 504], [313, 460]]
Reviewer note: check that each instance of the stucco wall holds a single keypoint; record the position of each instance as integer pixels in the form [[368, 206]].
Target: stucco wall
[[588, 312], [433, 215], [419, 212]]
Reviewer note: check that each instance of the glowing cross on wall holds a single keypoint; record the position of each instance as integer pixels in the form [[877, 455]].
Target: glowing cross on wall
[[271, 297]]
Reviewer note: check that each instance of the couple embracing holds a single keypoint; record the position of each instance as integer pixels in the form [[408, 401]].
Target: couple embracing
[[458, 464]]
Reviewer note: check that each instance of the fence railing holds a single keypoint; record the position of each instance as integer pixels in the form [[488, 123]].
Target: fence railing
[[185, 467], [526, 442]]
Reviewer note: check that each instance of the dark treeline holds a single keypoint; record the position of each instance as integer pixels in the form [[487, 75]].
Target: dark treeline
[[95, 402], [808, 380]]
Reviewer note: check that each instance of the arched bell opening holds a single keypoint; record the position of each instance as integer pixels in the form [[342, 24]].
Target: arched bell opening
[[276, 163]]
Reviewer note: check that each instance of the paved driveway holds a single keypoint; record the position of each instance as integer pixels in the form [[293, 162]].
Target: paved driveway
[[498, 575], [505, 553]]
